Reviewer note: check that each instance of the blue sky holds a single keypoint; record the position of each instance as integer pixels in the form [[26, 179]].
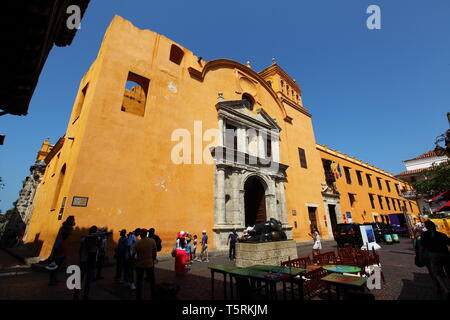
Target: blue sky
[[378, 95]]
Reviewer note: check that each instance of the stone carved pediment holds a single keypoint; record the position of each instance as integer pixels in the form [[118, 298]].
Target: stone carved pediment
[[239, 110]]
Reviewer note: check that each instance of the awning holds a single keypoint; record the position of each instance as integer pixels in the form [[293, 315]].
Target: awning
[[441, 208], [445, 195]]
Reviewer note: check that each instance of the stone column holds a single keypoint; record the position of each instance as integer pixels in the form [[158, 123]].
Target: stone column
[[275, 149], [253, 142], [236, 199], [283, 213], [241, 140], [220, 195], [261, 144], [327, 215], [221, 132], [271, 201]]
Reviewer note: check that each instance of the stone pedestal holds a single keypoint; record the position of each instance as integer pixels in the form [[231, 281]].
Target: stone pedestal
[[265, 253]]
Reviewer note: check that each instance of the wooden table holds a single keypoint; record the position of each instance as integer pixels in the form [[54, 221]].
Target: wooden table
[[223, 269], [341, 268], [343, 281], [291, 272], [271, 279]]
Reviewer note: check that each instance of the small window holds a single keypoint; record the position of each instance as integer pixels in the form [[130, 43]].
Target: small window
[[347, 175], [410, 205], [388, 204], [359, 176], [269, 83], [369, 180], [249, 101], [393, 203], [372, 202], [388, 186], [268, 147], [302, 155], [380, 200], [230, 137], [176, 54], [80, 103], [352, 198], [135, 95], [379, 184], [396, 188]]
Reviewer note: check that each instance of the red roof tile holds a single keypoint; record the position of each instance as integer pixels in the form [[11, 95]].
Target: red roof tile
[[410, 172], [427, 154]]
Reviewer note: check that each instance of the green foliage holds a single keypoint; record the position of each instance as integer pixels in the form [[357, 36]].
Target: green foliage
[[437, 180]]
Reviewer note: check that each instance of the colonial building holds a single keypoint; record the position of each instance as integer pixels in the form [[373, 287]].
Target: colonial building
[[160, 138], [415, 169], [355, 191]]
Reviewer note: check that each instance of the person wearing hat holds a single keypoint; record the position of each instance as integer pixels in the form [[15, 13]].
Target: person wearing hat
[[120, 254], [204, 251], [180, 254]]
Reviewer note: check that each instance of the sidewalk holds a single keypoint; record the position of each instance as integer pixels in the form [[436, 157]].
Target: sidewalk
[[404, 281]]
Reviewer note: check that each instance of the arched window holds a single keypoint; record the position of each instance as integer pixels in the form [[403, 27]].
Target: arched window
[[249, 101], [282, 86], [269, 83], [135, 94]]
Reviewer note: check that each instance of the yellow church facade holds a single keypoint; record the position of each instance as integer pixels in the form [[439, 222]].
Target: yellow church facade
[[160, 138]]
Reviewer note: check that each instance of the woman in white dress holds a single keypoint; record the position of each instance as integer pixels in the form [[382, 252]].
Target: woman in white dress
[[317, 244]]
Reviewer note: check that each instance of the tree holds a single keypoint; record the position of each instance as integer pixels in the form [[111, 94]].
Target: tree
[[437, 180]]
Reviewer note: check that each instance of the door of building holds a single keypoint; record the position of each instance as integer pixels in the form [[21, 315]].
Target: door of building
[[312, 218], [332, 213], [255, 202]]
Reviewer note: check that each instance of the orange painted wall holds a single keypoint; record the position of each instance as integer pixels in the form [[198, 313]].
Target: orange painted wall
[[361, 192], [121, 161]]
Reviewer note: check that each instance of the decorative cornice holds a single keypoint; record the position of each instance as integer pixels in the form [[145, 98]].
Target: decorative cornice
[[275, 68], [226, 63], [295, 106]]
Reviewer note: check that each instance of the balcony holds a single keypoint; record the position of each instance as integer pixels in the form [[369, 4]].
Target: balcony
[[409, 194]]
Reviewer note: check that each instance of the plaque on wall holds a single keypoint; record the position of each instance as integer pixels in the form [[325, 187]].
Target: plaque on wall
[[80, 201]]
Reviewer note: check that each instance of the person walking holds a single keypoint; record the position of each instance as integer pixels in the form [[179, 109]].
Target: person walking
[[317, 246], [232, 239], [59, 256], [180, 254], [194, 249], [144, 250], [437, 245], [121, 254], [204, 247], [88, 252]]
